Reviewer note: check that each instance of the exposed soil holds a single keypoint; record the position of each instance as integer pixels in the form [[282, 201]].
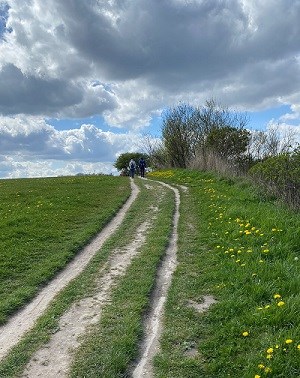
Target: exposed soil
[[153, 322]]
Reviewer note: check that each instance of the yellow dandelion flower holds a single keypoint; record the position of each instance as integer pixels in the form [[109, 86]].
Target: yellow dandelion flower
[[257, 376], [266, 251], [270, 350], [276, 296], [261, 366], [288, 341], [245, 333], [269, 356], [298, 346], [280, 304], [268, 370]]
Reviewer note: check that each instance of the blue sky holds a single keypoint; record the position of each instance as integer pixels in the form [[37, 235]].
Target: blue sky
[[82, 82]]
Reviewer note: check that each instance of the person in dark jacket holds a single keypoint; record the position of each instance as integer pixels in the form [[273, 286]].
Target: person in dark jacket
[[142, 166]]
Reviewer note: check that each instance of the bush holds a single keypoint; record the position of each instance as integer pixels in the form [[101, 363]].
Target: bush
[[280, 175]]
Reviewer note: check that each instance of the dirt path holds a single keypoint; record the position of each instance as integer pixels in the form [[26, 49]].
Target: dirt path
[[24, 320], [153, 324], [54, 358]]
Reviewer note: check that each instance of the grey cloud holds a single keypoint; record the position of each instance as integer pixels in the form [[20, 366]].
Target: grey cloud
[[27, 94], [186, 46], [33, 95]]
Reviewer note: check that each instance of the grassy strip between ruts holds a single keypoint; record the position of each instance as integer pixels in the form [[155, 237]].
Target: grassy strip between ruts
[[110, 349], [85, 285], [243, 250], [44, 222]]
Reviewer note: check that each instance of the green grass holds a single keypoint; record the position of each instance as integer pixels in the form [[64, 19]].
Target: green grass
[[233, 244], [242, 251], [44, 222]]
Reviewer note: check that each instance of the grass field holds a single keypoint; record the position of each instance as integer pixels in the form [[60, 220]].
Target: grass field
[[244, 250], [234, 244], [44, 222]]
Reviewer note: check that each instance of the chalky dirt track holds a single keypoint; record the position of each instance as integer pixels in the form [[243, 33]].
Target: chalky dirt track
[[54, 359]]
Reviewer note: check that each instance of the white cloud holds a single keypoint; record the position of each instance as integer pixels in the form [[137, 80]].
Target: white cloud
[[13, 168], [29, 144]]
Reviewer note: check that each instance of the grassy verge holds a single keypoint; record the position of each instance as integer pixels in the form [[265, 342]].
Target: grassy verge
[[44, 222], [111, 347], [123, 316], [245, 253]]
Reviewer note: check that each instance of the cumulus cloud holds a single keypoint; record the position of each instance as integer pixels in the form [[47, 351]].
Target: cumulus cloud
[[29, 143], [19, 168]]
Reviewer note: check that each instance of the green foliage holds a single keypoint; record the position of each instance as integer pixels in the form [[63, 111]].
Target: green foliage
[[228, 142], [280, 175], [123, 160]]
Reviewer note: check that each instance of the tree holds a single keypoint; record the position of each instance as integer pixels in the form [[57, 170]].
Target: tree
[[186, 129], [228, 142], [155, 150], [180, 134]]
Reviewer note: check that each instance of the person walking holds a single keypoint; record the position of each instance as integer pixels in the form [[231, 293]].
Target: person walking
[[132, 167], [142, 166]]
